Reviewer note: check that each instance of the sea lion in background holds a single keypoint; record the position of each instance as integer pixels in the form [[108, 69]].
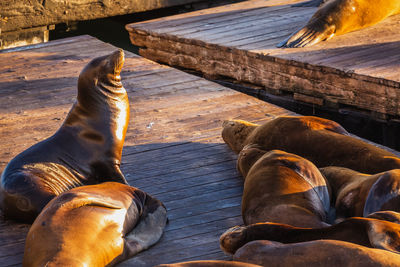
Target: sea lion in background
[[85, 150], [368, 232], [321, 141], [283, 188], [358, 194], [209, 263], [318, 253], [94, 225], [337, 17]]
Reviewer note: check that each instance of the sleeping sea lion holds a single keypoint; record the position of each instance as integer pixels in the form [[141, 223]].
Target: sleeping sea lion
[[337, 17], [94, 225], [283, 188], [85, 150], [368, 232], [358, 194], [321, 141], [318, 253]]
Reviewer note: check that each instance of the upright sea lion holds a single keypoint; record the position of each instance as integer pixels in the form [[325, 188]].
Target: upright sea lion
[[94, 225], [318, 253], [358, 194], [337, 17], [283, 188], [369, 232], [321, 141], [85, 150]]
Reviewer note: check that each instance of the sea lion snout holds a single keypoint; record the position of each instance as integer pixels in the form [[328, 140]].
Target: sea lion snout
[[232, 239], [116, 61]]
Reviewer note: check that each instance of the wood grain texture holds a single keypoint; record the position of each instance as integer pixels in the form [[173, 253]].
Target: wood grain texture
[[20, 14], [173, 147], [360, 70]]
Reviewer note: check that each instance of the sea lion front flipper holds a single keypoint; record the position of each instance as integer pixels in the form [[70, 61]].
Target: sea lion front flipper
[[312, 33], [149, 228]]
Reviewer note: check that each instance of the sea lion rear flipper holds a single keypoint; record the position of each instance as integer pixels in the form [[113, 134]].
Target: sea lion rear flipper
[[149, 228]]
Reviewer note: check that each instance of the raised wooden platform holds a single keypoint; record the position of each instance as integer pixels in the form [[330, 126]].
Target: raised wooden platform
[[22, 14], [358, 71], [173, 147]]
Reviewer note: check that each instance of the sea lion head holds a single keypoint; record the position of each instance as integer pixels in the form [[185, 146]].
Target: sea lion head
[[247, 157], [235, 133], [102, 73], [232, 239]]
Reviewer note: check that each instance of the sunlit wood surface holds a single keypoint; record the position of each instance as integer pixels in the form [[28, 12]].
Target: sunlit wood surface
[[173, 147], [358, 71]]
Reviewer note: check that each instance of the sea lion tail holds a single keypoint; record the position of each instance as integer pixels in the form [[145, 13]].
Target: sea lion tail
[[149, 228]]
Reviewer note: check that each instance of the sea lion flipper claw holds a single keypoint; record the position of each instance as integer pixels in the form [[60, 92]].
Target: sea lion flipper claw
[[308, 36]]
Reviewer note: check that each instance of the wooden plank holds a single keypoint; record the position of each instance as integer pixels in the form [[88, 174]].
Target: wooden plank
[[175, 118], [358, 70], [16, 15]]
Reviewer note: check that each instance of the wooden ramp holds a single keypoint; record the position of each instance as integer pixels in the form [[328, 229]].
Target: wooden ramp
[[358, 71], [173, 149]]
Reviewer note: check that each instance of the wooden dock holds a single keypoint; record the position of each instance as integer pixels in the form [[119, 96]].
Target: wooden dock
[[24, 14], [173, 149], [358, 72]]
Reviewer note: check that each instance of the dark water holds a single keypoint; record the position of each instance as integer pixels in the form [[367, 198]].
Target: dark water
[[112, 30]]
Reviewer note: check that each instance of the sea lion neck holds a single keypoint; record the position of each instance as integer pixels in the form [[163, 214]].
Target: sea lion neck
[[101, 77]]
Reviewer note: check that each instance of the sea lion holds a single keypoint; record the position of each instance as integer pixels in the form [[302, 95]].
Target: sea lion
[[85, 150], [336, 17], [358, 194], [321, 141], [369, 232], [318, 253], [94, 225], [386, 215], [210, 263], [283, 188]]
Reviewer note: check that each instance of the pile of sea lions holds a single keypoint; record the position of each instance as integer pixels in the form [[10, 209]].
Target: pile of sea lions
[[72, 187], [313, 196]]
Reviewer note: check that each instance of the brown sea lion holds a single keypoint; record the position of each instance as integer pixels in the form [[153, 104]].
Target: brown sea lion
[[337, 17], [94, 225], [283, 188], [318, 253], [358, 194], [368, 232], [209, 264], [85, 150], [321, 141]]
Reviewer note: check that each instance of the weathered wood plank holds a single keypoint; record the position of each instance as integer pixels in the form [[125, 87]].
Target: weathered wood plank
[[359, 70], [173, 147]]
